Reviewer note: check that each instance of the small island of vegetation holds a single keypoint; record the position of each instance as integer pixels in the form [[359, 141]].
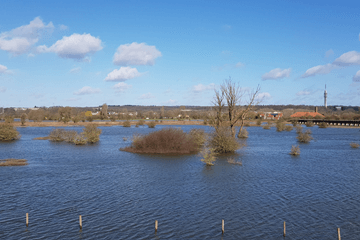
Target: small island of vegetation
[[12, 162]]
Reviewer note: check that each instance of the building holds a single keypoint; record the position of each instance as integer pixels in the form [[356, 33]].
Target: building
[[271, 115], [306, 114]]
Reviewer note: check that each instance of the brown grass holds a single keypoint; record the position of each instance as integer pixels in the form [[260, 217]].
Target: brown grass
[[354, 145], [42, 138], [13, 162]]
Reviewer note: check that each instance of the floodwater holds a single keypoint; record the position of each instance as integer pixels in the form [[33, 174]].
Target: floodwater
[[120, 194]]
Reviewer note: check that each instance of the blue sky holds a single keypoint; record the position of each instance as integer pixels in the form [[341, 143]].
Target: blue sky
[[86, 53]]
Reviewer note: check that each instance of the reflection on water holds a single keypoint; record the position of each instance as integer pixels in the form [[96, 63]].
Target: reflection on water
[[120, 194]]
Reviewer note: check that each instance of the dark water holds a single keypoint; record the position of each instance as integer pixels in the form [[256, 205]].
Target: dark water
[[120, 194]]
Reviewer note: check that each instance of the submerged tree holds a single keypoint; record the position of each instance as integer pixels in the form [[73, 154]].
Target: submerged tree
[[229, 113]]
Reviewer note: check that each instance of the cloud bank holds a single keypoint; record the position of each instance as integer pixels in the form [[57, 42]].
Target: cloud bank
[[121, 87], [21, 39], [348, 59]]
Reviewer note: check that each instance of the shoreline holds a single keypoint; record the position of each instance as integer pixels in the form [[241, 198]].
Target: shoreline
[[109, 124]]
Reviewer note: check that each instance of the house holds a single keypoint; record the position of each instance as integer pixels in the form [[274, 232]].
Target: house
[[306, 114], [271, 115]]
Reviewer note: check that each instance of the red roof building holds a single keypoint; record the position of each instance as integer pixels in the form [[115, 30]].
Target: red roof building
[[306, 114]]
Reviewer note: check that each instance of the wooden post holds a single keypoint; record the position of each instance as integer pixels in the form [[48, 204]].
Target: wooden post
[[27, 219], [223, 227], [80, 221], [284, 229], [339, 237], [156, 225]]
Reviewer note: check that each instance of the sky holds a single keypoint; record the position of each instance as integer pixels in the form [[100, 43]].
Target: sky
[[87, 53]]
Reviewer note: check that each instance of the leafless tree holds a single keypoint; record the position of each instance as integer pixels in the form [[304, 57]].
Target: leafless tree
[[229, 98]]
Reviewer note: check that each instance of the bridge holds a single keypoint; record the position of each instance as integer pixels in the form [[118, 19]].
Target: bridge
[[354, 123]]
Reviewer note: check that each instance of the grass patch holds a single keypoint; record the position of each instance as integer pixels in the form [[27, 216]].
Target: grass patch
[[42, 138], [13, 162], [295, 150], [167, 141]]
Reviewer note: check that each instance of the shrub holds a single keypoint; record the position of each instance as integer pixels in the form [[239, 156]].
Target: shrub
[[243, 134], [23, 119], [288, 128], [151, 124], [280, 126], [258, 122], [76, 119], [294, 123], [80, 139], [295, 150], [354, 145], [141, 122], [205, 122], [8, 132], [232, 161], [304, 137], [57, 135], [112, 118], [198, 135], [266, 126], [166, 140], [92, 133], [127, 123], [222, 141], [90, 119], [209, 156], [298, 129], [9, 119], [309, 124], [322, 125]]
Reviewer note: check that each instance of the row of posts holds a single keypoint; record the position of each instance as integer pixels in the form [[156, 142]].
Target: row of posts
[[156, 225]]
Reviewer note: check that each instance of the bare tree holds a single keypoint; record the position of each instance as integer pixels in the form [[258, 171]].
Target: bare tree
[[104, 110], [229, 98]]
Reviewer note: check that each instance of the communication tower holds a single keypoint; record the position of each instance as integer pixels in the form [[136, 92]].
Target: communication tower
[[325, 97]]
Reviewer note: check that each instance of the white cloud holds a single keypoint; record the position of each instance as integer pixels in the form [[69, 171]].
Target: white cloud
[[3, 69], [123, 74], [303, 93], [136, 54], [329, 53], [320, 69], [239, 65], [200, 87], [121, 87], [147, 96], [87, 90], [63, 27], [2, 89], [348, 59], [75, 70], [263, 96], [20, 40], [171, 102], [356, 77], [76, 46], [276, 73]]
